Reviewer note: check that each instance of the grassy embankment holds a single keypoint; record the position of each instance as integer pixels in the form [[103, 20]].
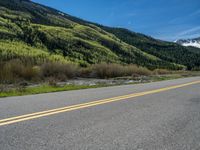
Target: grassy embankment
[[47, 88]]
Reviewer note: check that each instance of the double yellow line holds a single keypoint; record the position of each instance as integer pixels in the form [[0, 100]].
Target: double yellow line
[[86, 105]]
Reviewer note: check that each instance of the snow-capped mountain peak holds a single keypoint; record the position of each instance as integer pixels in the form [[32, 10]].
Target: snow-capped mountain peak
[[190, 42]]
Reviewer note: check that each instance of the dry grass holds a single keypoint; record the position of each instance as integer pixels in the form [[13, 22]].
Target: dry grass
[[59, 71], [16, 71], [161, 72], [116, 70]]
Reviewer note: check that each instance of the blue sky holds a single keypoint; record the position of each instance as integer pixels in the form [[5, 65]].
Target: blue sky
[[162, 19]]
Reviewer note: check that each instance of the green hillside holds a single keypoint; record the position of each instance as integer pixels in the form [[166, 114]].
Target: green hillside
[[168, 51], [38, 34]]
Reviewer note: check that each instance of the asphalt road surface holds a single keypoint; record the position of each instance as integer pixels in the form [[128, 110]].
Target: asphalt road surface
[[154, 116]]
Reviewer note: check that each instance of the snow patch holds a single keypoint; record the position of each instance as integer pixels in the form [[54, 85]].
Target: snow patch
[[194, 44], [61, 13]]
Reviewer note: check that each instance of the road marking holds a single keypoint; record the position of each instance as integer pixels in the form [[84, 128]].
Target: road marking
[[31, 116]]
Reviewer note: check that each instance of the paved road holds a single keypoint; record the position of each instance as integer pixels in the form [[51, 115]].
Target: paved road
[[165, 119]]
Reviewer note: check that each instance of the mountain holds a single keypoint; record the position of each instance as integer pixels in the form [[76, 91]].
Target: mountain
[[35, 34], [189, 42], [167, 51]]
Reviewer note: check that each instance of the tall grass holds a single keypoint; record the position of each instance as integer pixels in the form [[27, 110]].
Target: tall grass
[[116, 70], [16, 71], [59, 71]]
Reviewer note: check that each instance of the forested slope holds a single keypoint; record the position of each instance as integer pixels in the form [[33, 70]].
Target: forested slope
[[39, 33]]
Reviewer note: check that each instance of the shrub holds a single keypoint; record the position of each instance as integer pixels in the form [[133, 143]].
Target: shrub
[[107, 70], [30, 73], [116, 70], [133, 70], [15, 70], [59, 71], [11, 71], [85, 72], [161, 71]]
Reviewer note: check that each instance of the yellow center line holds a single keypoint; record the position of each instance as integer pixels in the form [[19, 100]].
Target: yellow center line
[[86, 105]]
